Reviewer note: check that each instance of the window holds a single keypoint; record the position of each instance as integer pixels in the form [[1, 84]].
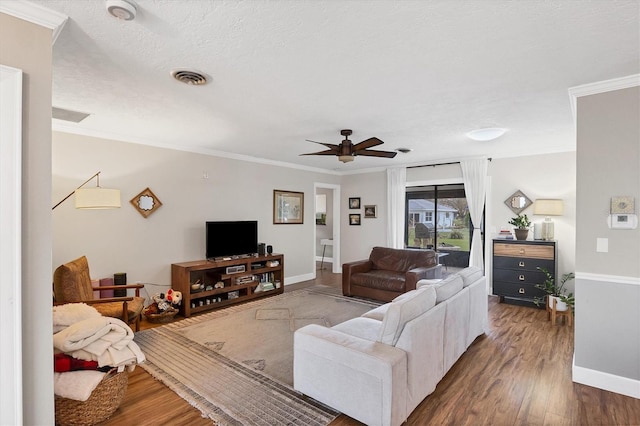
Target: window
[[446, 225]]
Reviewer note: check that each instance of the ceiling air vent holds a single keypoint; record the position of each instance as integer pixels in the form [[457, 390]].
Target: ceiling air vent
[[68, 115], [189, 76]]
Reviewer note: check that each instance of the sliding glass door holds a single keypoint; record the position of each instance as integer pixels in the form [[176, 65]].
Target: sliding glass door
[[438, 218]]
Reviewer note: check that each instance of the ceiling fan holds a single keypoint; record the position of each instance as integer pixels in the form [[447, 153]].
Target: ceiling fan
[[347, 151]]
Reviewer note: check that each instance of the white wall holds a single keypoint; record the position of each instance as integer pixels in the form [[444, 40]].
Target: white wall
[[123, 241]]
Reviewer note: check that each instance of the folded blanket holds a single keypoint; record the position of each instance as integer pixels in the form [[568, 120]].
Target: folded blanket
[[63, 363], [76, 385], [71, 313], [109, 341]]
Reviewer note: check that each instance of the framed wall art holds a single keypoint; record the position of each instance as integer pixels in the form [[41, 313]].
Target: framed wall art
[[288, 207], [354, 219], [370, 211], [354, 202]]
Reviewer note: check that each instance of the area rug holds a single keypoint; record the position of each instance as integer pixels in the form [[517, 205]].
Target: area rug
[[236, 364]]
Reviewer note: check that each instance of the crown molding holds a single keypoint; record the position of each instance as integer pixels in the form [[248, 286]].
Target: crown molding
[[35, 14], [600, 87]]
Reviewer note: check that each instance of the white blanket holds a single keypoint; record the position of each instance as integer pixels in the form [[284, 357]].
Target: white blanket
[[109, 341], [71, 313], [76, 385]]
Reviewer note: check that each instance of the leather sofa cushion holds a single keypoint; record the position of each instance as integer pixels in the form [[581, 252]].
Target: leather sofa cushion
[[401, 260], [383, 280], [445, 288], [404, 310], [470, 275]]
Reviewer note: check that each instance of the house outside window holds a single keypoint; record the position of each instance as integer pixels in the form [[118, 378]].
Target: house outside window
[[438, 218]]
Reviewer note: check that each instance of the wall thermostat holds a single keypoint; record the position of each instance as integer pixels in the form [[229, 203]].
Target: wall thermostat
[[622, 221]]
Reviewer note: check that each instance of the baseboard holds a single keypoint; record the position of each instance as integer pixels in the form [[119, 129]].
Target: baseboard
[[606, 381], [326, 259], [298, 279]]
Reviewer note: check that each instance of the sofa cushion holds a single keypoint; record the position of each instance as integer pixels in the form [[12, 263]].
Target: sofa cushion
[[404, 310], [379, 279], [401, 260], [447, 287], [470, 275], [378, 313], [365, 328], [424, 282]]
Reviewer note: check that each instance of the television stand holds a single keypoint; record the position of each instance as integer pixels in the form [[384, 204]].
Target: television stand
[[262, 276]]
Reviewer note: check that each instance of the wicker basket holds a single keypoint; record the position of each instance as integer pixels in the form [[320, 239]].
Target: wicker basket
[[103, 402], [162, 318]]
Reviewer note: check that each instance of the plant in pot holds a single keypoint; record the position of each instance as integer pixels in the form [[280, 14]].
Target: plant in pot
[[522, 223], [564, 300]]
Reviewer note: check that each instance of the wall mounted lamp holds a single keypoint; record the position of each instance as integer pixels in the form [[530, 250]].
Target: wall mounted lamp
[[94, 198], [548, 207]]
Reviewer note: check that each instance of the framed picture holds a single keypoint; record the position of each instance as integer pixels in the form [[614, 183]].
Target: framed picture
[[354, 202], [288, 207], [370, 211], [354, 219]]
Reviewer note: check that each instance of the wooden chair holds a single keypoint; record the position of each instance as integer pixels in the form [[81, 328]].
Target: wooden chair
[[72, 284]]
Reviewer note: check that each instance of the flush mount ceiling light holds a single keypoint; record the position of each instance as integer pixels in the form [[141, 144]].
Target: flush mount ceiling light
[[121, 9], [189, 76], [487, 134]]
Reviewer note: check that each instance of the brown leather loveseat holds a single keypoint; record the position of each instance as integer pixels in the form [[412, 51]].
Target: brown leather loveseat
[[388, 273]]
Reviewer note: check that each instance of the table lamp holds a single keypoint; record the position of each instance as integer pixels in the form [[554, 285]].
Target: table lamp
[[548, 207]]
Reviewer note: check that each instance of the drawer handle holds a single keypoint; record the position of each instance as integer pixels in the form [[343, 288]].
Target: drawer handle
[[521, 251], [521, 264], [521, 277], [521, 291]]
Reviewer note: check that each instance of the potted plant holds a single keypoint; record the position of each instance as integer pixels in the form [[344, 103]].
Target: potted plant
[[557, 291], [522, 223]]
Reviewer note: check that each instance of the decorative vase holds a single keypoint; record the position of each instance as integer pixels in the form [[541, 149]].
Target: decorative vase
[[560, 305], [521, 234]]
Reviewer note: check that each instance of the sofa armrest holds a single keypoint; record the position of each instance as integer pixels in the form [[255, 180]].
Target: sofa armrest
[[414, 275], [364, 379], [351, 268]]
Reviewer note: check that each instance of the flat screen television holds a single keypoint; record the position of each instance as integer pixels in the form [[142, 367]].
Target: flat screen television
[[231, 238]]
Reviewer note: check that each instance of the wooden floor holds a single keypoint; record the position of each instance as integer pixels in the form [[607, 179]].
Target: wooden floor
[[517, 374]]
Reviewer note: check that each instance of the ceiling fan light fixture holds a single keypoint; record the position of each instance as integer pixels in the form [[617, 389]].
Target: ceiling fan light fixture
[[404, 150], [345, 158], [487, 134], [121, 9]]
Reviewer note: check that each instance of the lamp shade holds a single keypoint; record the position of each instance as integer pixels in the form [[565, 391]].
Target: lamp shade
[[97, 198], [548, 207]]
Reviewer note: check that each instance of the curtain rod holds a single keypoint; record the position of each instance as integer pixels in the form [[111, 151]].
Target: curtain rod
[[439, 164]]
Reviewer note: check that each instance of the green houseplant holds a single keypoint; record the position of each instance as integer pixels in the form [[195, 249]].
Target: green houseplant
[[557, 290], [522, 223]]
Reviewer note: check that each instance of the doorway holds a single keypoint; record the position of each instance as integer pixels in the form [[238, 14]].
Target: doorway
[[326, 235]]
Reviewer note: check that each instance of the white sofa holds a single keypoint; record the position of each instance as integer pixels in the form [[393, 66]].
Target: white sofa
[[378, 367]]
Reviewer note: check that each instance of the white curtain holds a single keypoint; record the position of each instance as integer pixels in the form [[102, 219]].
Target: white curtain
[[474, 175], [396, 187]]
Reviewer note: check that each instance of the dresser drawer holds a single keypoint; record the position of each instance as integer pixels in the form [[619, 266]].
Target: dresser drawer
[[532, 251], [521, 291], [521, 264], [512, 276]]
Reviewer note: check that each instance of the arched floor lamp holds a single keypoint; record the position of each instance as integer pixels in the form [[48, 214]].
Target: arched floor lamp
[[94, 198]]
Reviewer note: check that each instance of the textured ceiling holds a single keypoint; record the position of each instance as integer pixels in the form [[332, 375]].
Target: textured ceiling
[[416, 74]]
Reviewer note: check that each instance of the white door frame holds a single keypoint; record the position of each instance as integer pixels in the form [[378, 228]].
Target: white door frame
[[336, 268], [11, 245]]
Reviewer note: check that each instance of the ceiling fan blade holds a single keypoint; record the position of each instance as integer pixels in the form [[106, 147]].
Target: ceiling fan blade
[[327, 152], [374, 153], [367, 143], [328, 145]]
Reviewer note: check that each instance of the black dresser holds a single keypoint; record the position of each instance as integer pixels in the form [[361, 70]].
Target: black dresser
[[515, 269]]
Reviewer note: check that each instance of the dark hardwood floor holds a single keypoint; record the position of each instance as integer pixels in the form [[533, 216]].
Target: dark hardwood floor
[[519, 373]]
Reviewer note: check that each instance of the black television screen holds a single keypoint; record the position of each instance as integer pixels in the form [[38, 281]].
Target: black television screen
[[231, 238]]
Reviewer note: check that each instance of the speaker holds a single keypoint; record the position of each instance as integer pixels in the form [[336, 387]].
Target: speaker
[[261, 249], [269, 249], [120, 278]]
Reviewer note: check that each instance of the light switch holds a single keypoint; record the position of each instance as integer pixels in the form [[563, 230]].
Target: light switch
[[602, 245]]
